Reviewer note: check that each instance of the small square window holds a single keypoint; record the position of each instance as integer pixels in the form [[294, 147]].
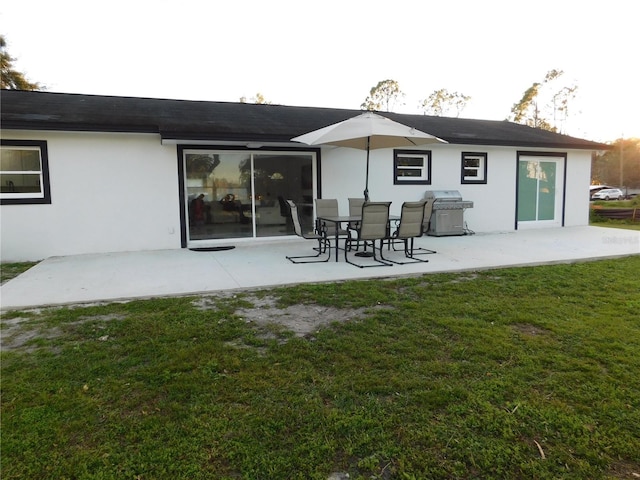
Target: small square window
[[474, 167], [24, 172], [411, 167]]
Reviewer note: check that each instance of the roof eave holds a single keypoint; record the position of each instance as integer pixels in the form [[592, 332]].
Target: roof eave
[[507, 143], [76, 127]]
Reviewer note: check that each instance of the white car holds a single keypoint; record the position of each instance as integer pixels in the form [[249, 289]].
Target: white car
[[608, 194]]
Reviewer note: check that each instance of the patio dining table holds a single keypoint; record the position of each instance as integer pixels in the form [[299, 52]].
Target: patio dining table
[[342, 219]]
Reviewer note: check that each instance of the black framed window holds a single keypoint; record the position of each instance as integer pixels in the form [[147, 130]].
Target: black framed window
[[24, 172], [411, 167], [474, 167]]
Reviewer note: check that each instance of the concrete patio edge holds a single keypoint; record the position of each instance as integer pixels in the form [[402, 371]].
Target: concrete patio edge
[[125, 276]]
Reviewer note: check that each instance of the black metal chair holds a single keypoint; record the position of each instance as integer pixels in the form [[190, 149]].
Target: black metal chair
[[374, 225], [355, 208], [328, 207], [411, 226], [285, 212], [426, 223], [323, 243]]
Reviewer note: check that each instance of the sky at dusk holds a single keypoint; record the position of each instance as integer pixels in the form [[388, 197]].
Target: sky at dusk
[[331, 53]]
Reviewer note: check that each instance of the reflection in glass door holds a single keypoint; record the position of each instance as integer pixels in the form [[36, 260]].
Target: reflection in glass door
[[235, 194], [278, 178], [540, 187], [218, 195]]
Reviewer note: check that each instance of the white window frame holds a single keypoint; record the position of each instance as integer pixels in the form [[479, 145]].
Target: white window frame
[[43, 196]]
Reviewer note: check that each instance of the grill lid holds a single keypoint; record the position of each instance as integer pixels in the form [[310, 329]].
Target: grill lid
[[443, 195]]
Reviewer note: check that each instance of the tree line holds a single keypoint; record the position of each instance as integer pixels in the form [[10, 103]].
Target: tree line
[[10, 78], [544, 104], [619, 166]]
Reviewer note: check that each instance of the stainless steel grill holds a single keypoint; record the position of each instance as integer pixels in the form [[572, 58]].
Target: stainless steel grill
[[447, 215]]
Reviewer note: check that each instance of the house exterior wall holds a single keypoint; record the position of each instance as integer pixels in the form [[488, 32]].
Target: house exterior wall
[[494, 210], [578, 181], [115, 192], [109, 192]]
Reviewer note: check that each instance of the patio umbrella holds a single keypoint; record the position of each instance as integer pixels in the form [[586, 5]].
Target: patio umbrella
[[368, 131]]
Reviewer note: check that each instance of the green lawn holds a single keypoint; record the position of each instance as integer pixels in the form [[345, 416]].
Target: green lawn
[[10, 270], [525, 373]]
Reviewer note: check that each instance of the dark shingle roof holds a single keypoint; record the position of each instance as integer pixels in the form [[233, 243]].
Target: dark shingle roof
[[226, 121]]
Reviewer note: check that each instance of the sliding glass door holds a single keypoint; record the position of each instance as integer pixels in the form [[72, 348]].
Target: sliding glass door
[[235, 194]]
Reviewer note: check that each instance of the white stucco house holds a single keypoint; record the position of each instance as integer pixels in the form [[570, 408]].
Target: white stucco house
[[95, 174]]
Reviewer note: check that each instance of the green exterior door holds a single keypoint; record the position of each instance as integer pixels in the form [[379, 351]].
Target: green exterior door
[[540, 191]]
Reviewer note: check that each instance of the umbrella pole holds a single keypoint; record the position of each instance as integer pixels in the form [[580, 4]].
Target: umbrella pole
[[366, 185]]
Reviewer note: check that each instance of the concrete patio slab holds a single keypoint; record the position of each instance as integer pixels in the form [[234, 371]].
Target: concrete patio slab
[[133, 275]]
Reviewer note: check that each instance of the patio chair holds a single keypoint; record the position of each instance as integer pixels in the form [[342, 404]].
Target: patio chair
[[328, 207], [285, 212], [374, 225], [355, 208], [320, 238], [428, 210], [426, 223], [411, 226]]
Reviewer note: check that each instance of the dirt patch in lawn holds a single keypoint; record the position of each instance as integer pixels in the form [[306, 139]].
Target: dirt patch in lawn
[[302, 320], [18, 333]]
